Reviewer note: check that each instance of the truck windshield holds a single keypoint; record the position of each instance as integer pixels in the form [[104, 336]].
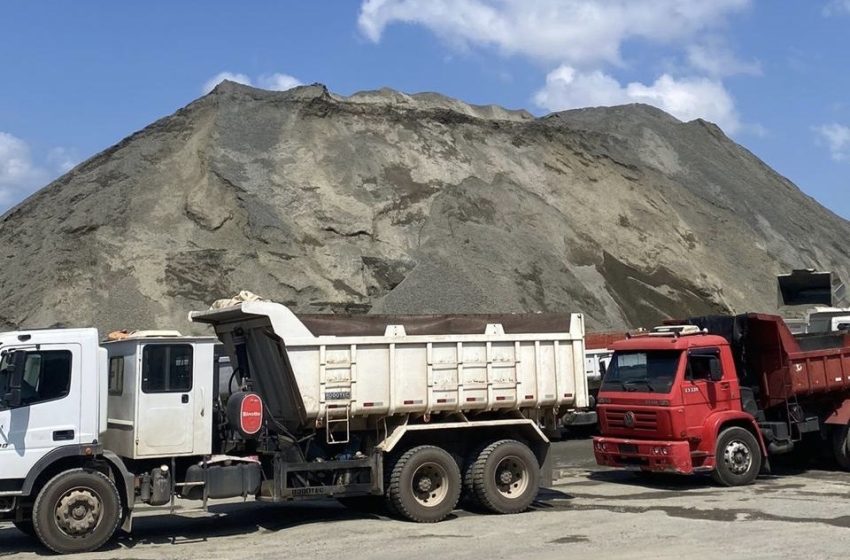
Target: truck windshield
[[651, 372]]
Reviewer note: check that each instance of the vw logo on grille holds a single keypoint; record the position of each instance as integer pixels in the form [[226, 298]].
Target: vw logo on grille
[[629, 419]]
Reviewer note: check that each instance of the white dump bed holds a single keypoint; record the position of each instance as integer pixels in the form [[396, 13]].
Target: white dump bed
[[394, 372]]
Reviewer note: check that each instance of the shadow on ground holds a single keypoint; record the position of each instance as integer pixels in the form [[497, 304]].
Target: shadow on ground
[[236, 519]]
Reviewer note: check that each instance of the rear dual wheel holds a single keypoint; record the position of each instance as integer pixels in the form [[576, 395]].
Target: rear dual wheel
[[841, 446], [504, 477], [424, 484]]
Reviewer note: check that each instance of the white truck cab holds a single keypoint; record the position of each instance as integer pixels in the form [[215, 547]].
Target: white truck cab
[[74, 412], [44, 415]]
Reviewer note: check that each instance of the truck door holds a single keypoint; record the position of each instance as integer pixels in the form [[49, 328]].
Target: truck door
[[702, 395], [49, 412], [165, 408]]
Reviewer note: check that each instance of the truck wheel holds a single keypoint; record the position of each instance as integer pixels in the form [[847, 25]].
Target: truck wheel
[[738, 457], [841, 446], [424, 484], [506, 477], [25, 527], [76, 511], [468, 474]]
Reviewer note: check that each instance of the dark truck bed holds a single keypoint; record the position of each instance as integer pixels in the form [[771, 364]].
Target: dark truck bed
[[777, 364]]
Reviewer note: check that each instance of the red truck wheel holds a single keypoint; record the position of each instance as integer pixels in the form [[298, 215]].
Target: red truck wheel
[[841, 446], [738, 457]]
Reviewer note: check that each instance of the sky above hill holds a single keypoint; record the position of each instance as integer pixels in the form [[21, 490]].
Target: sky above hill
[[76, 77]]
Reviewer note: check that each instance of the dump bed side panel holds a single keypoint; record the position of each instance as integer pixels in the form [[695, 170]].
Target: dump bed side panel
[[780, 365], [396, 372], [820, 371]]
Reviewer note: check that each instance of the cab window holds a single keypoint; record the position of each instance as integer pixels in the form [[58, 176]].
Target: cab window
[[167, 368], [116, 375], [47, 376], [703, 366]]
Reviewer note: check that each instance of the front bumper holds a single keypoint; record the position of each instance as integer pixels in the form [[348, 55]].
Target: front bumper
[[647, 455]]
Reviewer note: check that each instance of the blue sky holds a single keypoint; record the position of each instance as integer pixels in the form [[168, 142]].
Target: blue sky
[[76, 77]]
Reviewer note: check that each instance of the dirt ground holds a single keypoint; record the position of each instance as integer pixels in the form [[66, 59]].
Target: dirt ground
[[589, 513]]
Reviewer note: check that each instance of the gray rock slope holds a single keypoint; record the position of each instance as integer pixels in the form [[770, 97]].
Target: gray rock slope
[[391, 203]]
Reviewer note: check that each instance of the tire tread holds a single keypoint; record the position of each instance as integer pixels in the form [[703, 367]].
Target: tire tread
[[41, 532], [478, 473]]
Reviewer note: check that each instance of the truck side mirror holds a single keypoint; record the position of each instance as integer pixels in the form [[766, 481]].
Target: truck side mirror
[[715, 372], [15, 368]]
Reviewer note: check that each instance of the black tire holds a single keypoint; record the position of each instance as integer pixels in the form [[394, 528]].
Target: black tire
[[25, 527], [76, 511], [506, 477], [424, 484], [469, 463], [841, 446], [738, 457]]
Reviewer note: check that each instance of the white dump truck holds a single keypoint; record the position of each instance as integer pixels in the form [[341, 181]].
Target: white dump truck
[[410, 411]]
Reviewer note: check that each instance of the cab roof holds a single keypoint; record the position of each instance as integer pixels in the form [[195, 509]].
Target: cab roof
[[648, 342]]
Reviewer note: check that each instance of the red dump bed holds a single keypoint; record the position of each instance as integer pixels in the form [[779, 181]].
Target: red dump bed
[[781, 364]]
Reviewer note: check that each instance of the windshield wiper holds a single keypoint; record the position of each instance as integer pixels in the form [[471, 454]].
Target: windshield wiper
[[629, 382]]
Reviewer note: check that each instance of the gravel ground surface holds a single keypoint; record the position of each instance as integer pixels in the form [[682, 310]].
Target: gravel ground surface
[[590, 513]]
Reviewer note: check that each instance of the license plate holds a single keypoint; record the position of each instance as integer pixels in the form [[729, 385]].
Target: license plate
[[628, 448]]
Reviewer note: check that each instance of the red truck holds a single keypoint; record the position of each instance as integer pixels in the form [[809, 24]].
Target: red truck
[[720, 395]]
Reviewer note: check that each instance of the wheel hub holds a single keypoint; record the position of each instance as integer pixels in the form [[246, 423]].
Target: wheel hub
[[511, 477], [425, 484], [506, 476], [429, 483], [737, 457], [78, 512]]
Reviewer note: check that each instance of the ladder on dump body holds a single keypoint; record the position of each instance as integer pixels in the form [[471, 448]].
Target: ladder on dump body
[[331, 421]]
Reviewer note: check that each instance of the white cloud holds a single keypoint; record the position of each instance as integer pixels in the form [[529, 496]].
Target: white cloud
[[20, 175], [62, 159], [837, 138], [578, 32], [837, 7], [276, 82], [716, 59], [210, 84], [686, 98], [585, 36]]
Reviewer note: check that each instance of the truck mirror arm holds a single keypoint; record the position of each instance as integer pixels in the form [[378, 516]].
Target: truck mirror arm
[[17, 360]]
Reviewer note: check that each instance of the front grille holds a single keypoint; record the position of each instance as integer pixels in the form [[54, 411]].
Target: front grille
[[644, 420]]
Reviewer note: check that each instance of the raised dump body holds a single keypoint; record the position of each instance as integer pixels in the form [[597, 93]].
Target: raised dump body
[[421, 365], [781, 364]]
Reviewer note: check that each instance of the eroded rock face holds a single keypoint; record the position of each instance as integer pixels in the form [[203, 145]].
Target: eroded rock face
[[392, 203]]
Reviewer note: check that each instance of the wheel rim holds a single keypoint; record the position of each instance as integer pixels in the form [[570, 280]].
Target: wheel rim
[[511, 477], [78, 511], [737, 457], [430, 484]]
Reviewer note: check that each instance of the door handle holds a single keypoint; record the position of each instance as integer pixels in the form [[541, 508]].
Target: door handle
[[184, 399], [63, 435]]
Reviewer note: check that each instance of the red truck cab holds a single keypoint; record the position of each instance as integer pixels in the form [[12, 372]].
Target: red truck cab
[[671, 402]]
